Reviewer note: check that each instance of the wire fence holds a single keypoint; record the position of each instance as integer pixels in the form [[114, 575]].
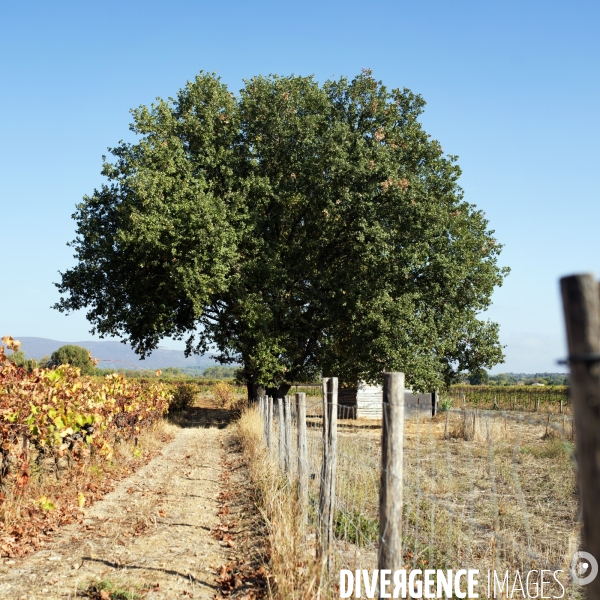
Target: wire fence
[[468, 488]]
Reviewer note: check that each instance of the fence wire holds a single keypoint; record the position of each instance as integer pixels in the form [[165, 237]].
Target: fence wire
[[487, 489]]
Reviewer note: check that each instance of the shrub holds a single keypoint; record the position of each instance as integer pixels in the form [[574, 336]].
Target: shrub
[[184, 395], [223, 394], [445, 404]]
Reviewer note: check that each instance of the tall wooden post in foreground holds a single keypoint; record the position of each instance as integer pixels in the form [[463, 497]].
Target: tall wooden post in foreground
[[581, 302], [328, 470], [391, 483], [302, 459]]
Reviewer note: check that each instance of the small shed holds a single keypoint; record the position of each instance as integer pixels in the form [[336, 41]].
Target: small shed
[[365, 401], [360, 402]]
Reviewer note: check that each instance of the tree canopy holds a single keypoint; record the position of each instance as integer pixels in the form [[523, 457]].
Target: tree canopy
[[297, 229], [75, 356]]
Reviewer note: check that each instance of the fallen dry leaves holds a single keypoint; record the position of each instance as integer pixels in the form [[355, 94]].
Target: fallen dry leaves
[[240, 578], [27, 525]]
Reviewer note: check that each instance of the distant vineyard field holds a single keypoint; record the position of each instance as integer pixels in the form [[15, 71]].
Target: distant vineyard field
[[514, 397]]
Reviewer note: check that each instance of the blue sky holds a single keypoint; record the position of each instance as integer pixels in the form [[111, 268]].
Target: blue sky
[[511, 87]]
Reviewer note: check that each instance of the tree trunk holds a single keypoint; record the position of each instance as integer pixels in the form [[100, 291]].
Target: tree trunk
[[255, 391], [279, 392]]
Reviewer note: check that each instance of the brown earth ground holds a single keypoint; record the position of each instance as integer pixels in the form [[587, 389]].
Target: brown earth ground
[[181, 526]]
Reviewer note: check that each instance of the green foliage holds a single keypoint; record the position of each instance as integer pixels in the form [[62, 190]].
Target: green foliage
[[22, 361], [183, 396], [18, 358], [298, 229], [110, 589], [220, 372], [173, 373], [44, 362], [479, 377], [356, 528], [445, 404], [76, 356]]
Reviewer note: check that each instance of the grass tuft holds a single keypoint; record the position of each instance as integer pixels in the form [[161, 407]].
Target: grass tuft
[[109, 590]]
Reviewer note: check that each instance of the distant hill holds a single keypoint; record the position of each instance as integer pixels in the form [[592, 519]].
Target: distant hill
[[118, 355]]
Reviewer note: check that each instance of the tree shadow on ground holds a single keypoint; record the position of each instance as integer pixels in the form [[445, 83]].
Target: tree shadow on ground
[[202, 417]]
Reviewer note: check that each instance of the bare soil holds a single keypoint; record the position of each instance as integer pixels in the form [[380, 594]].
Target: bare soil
[[182, 526]]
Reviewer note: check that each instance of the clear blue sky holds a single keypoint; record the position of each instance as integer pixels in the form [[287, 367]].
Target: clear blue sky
[[512, 87]]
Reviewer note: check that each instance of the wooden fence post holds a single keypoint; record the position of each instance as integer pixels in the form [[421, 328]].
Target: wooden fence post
[[328, 472], [302, 459], [434, 402], [581, 305], [325, 413], [269, 423], [280, 431], [391, 483], [265, 417], [287, 437]]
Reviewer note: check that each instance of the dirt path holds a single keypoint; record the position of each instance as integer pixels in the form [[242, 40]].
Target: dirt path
[[161, 534]]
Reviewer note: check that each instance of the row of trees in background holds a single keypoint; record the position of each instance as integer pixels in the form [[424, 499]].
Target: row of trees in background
[[79, 357], [482, 377], [76, 356]]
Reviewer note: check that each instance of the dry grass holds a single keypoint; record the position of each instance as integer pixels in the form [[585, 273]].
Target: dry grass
[[480, 490], [292, 564]]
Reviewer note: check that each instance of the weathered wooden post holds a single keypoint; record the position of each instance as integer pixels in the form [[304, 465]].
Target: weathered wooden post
[[446, 433], [288, 436], [281, 434], [302, 459], [265, 418], [582, 318], [328, 471], [391, 482], [269, 423], [434, 402]]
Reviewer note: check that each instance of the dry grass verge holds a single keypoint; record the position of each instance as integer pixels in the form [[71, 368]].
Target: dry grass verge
[[294, 573]]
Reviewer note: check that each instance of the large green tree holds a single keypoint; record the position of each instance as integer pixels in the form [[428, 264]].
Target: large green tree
[[296, 229]]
